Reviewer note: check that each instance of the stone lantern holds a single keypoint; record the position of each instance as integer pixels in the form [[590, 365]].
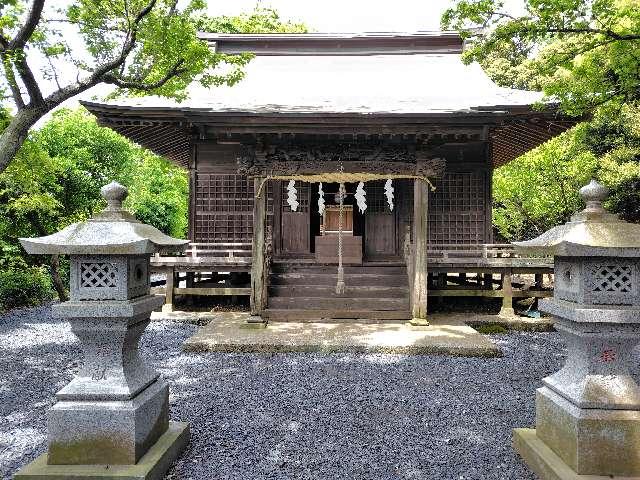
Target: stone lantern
[[112, 420], [588, 413]]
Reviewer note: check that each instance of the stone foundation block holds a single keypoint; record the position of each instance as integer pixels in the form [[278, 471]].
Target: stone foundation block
[[108, 432], [589, 441], [546, 464], [152, 466]]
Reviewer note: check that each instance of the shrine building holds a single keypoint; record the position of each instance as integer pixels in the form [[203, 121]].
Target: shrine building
[[349, 174]]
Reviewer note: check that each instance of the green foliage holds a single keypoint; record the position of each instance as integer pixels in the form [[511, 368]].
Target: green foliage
[[56, 177], [24, 288], [491, 329], [540, 189], [261, 20], [159, 194], [582, 53]]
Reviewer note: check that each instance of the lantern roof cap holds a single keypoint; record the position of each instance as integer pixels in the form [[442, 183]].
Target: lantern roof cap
[[591, 232], [114, 231]]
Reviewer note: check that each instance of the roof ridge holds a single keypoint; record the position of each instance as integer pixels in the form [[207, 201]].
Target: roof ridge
[[366, 43]]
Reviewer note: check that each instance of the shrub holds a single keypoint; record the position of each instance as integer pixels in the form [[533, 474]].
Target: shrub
[[24, 288]]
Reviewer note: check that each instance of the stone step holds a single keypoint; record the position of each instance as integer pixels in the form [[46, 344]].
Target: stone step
[[351, 279], [339, 303], [329, 291], [331, 269], [316, 315]]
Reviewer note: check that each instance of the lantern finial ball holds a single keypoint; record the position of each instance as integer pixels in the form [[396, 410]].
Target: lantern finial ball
[[594, 194], [114, 194]]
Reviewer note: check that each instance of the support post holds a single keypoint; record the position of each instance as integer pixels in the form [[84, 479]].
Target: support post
[[420, 242], [258, 300], [507, 294], [538, 281], [168, 294]]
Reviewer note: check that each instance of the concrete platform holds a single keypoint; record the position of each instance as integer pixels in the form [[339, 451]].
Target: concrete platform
[[544, 462], [152, 466], [229, 332]]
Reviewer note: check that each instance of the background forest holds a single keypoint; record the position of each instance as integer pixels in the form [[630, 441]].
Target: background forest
[[583, 54]]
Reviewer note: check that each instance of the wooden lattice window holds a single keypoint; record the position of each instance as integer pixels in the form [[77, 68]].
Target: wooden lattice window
[[376, 199], [303, 195], [224, 208], [457, 209]]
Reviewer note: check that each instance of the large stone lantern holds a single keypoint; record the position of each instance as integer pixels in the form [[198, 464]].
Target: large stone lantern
[[588, 413], [112, 420]]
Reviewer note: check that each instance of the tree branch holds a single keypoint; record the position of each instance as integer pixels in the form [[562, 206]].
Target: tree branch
[[607, 33], [27, 77], [140, 85], [101, 71], [13, 84], [127, 46], [30, 24]]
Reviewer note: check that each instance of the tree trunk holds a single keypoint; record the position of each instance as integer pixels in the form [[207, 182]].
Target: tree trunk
[[12, 138], [54, 262], [58, 284]]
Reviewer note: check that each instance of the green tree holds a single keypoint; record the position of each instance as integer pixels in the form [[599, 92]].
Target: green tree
[[56, 177], [540, 189], [582, 53], [138, 46], [260, 20], [159, 195]]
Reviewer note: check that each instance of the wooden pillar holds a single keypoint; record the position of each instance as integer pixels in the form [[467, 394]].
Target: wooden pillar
[[258, 300], [507, 294], [420, 243], [168, 293], [538, 281]]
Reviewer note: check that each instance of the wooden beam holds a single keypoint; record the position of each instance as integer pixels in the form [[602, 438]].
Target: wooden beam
[[212, 291], [258, 300], [431, 168], [419, 295], [467, 292], [168, 302], [507, 294]]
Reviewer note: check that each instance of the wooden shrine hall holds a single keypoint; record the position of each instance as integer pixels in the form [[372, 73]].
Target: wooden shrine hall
[[347, 173]]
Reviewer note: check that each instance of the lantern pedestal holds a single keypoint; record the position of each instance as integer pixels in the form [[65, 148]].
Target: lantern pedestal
[[151, 466]]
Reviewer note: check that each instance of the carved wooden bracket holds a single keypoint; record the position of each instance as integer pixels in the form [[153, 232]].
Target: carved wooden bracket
[[392, 161]]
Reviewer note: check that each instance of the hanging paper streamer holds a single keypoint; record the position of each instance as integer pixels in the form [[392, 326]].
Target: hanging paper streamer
[[292, 195], [320, 199], [361, 197], [388, 191]]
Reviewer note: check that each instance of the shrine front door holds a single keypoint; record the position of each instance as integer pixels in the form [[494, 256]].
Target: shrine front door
[[380, 224]]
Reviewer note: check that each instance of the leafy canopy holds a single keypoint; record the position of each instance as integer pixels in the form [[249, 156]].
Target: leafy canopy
[[581, 53], [260, 20], [540, 189]]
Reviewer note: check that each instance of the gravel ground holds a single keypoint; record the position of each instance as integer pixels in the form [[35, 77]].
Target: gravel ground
[[299, 416]]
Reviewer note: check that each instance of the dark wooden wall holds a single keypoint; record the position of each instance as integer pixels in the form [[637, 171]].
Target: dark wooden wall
[[221, 200], [221, 203]]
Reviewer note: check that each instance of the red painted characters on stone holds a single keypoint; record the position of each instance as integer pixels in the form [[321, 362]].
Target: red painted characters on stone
[[608, 355]]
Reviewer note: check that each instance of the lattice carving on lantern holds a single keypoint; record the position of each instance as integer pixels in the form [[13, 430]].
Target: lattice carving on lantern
[[98, 275], [611, 283]]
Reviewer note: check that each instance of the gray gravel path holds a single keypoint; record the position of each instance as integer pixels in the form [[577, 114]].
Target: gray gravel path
[[299, 416]]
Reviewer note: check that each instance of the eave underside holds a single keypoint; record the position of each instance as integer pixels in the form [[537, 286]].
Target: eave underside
[[171, 134]]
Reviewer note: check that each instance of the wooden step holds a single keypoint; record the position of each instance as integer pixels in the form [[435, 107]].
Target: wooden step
[[299, 315], [339, 303], [331, 279], [332, 269], [329, 291]]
